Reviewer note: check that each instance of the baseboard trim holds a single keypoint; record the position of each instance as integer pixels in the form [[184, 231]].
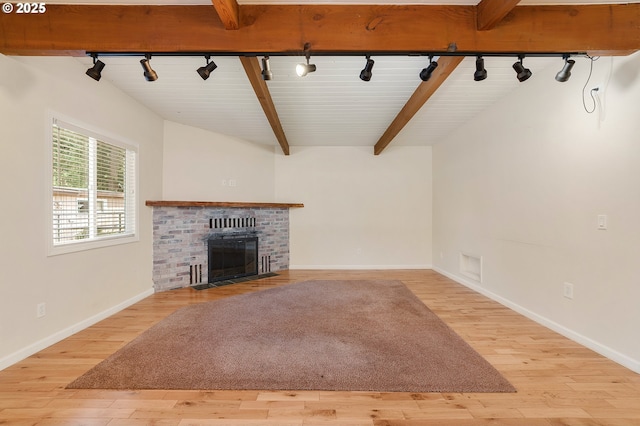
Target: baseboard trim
[[612, 354], [69, 331], [359, 267]]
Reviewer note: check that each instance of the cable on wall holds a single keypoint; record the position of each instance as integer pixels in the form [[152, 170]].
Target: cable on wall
[[593, 92]]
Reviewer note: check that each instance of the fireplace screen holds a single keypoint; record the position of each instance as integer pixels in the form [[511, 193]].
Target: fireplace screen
[[231, 258]]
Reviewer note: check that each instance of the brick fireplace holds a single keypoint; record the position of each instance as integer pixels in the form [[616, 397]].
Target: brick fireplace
[[181, 231]]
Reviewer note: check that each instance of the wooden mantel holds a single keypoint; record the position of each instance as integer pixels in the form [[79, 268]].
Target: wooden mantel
[[163, 203]]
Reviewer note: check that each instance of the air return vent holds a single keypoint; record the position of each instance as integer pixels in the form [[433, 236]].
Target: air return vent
[[471, 266]]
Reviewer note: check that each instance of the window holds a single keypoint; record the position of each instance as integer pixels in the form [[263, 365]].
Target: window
[[92, 188]]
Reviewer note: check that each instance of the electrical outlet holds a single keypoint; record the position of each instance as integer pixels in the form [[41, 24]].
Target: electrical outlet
[[41, 310], [568, 290]]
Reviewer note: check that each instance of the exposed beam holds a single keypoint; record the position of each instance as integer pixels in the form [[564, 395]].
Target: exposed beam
[[229, 13], [491, 12], [327, 28], [252, 68], [446, 65]]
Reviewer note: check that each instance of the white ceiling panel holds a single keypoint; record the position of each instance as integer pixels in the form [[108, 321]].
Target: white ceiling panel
[[329, 107], [225, 103], [332, 106], [460, 98]]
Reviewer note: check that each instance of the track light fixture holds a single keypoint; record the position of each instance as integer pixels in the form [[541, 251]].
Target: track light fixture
[[207, 69], [149, 73], [481, 72], [266, 69], [96, 69], [425, 74], [365, 74], [304, 69], [523, 73], [564, 74]]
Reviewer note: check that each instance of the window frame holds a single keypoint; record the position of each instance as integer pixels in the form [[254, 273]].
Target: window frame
[[103, 136]]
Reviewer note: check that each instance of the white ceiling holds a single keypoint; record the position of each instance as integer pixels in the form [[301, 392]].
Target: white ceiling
[[329, 107]]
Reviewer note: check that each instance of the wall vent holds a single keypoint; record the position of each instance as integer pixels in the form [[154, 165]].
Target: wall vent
[[232, 222], [195, 274], [265, 264], [471, 266]]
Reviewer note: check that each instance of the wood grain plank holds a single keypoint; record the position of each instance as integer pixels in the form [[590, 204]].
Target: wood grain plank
[[491, 12], [167, 203], [425, 90], [254, 73], [229, 13], [327, 28]]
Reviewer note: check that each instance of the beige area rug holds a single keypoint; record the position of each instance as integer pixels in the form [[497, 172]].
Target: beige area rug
[[314, 335]]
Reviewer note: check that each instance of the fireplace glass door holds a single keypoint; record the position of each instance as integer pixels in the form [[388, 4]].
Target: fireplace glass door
[[231, 258]]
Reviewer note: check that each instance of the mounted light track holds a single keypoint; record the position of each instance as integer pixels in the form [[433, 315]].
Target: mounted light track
[[481, 72], [523, 73], [95, 71], [266, 69], [425, 74], [365, 74], [149, 73], [205, 71], [564, 74], [304, 69]]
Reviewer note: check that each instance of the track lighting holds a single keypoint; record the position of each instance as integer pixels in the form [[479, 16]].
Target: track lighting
[[425, 74], [304, 69], [481, 72], [96, 69], [207, 69], [149, 73], [266, 69], [564, 74], [365, 74], [523, 73]]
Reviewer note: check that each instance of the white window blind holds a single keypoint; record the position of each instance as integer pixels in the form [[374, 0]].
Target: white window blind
[[93, 186]]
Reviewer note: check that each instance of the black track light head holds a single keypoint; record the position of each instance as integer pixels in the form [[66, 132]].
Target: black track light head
[[149, 73], [425, 74], [365, 74], [266, 69], [564, 74], [481, 72], [95, 71], [207, 69], [522, 72]]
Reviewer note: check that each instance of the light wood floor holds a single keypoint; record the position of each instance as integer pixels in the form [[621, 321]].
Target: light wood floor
[[559, 382]]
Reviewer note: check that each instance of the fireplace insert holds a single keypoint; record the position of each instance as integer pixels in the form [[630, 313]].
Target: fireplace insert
[[232, 257]]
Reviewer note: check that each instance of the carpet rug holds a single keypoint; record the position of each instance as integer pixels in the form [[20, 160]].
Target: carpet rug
[[353, 335]]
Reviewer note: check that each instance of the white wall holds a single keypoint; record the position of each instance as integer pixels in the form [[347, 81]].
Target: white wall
[[361, 210], [205, 166], [77, 288], [522, 186]]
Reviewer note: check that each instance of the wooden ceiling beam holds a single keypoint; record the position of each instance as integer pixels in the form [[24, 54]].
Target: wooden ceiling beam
[[254, 73], [491, 12], [426, 89], [285, 29], [229, 13]]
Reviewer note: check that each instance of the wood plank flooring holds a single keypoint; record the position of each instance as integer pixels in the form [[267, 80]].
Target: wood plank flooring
[[559, 382]]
